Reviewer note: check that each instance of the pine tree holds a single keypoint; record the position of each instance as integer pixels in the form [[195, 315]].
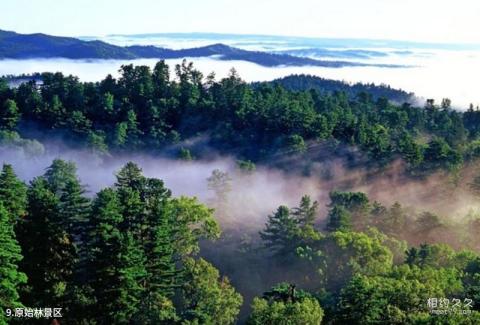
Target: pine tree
[[116, 261], [132, 274], [59, 174], [48, 247], [9, 115], [72, 213], [137, 241], [13, 193], [130, 176], [162, 275], [10, 256], [280, 232], [158, 238], [74, 208], [339, 219], [306, 212]]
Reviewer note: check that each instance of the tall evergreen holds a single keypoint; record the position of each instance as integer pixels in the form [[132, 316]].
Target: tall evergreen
[[131, 219], [158, 238], [13, 193], [280, 231], [116, 263], [48, 248], [306, 211], [339, 219], [51, 235], [104, 244], [10, 256]]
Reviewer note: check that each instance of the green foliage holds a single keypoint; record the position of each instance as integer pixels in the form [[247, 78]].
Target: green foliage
[[9, 115], [349, 210], [185, 154], [339, 219], [220, 183], [48, 247], [340, 255], [305, 213], [130, 257], [97, 142], [148, 110], [207, 298], [10, 256], [280, 232], [113, 290], [13, 193], [353, 201], [287, 229], [295, 143], [50, 235], [138, 242], [396, 297], [12, 139], [285, 305], [246, 166], [439, 154], [193, 221]]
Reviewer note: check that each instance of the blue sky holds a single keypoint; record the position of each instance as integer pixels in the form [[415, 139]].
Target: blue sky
[[417, 20]]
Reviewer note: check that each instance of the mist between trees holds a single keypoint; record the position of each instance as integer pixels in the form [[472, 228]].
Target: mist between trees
[[263, 244]]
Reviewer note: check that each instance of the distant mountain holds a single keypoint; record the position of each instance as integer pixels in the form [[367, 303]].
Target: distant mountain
[[23, 46], [306, 82], [337, 53], [265, 41]]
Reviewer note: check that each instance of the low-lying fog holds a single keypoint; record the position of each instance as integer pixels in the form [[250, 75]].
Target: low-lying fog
[[433, 74], [256, 195]]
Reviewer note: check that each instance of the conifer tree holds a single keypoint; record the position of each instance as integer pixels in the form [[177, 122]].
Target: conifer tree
[[13, 193], [280, 231], [50, 255], [339, 219], [10, 256], [306, 211], [116, 262], [51, 235]]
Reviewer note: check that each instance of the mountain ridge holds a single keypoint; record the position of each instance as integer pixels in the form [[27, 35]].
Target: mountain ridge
[[28, 46]]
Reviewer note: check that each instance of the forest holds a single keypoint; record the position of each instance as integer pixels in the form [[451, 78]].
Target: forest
[[134, 253], [147, 111]]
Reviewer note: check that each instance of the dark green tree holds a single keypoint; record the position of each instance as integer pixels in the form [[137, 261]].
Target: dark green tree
[[339, 219], [9, 115], [280, 232], [306, 212], [11, 278], [49, 250], [13, 193]]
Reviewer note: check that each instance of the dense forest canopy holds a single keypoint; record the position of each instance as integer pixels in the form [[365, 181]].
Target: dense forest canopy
[[308, 82], [131, 255], [148, 110], [134, 253]]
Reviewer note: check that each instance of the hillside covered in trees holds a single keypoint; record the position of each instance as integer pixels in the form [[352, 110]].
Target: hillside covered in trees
[[131, 255], [148, 111], [134, 253], [306, 82]]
